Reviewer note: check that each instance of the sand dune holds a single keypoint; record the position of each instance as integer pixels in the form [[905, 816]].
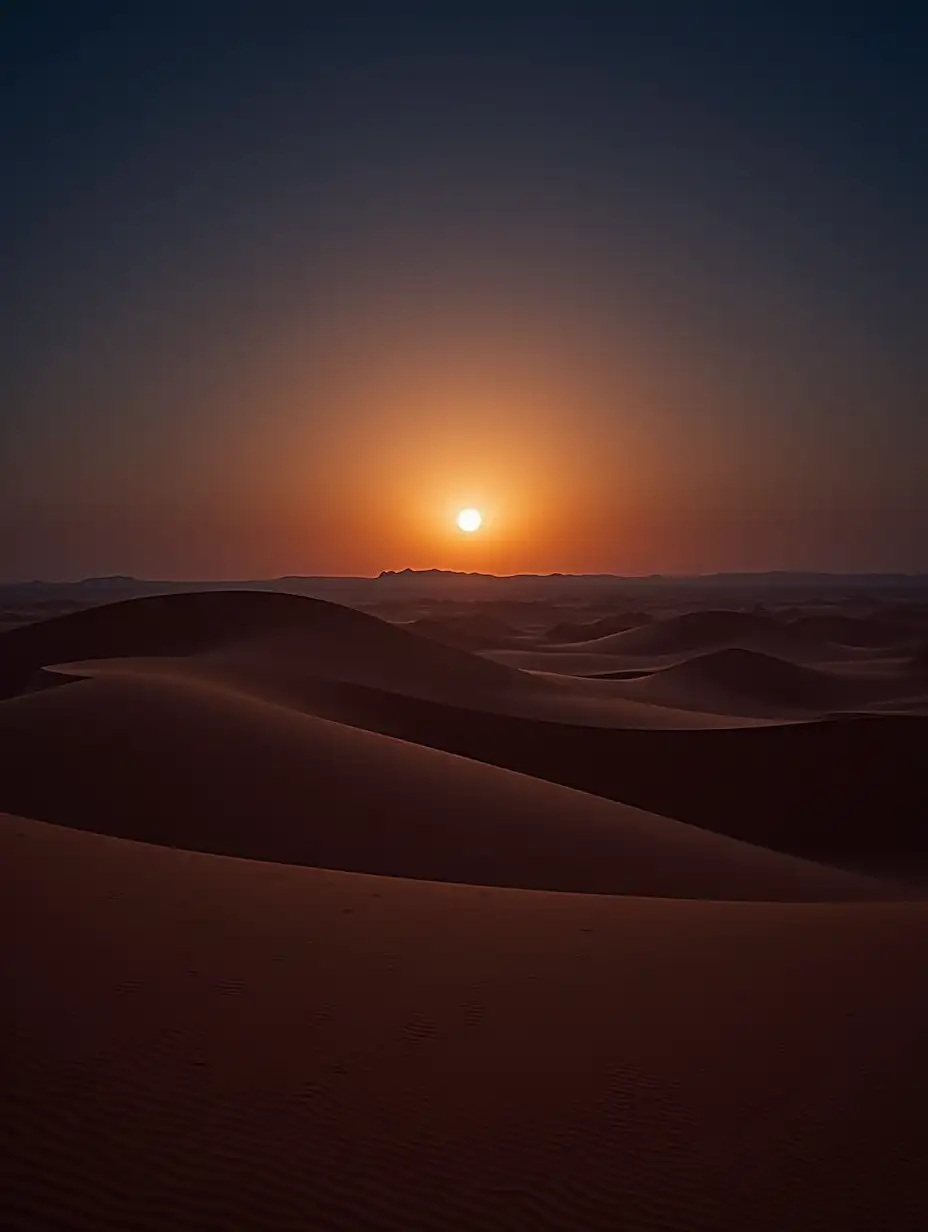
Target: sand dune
[[173, 760], [812, 789], [476, 632], [696, 632], [735, 681], [573, 661], [293, 641], [756, 673], [304, 634], [606, 701], [859, 631], [731, 682], [298, 638], [201, 1042], [483, 624], [849, 791], [384, 1016], [578, 631], [445, 631]]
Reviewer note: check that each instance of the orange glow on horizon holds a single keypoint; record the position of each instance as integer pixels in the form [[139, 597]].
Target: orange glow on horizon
[[412, 436]]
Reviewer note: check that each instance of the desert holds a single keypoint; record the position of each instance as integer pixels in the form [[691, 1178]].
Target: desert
[[317, 920]]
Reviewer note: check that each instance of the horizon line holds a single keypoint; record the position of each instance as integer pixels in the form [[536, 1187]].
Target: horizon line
[[389, 574]]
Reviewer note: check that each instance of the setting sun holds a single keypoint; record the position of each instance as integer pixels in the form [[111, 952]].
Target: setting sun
[[470, 520]]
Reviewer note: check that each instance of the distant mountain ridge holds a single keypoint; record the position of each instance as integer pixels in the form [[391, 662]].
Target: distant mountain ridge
[[438, 582]]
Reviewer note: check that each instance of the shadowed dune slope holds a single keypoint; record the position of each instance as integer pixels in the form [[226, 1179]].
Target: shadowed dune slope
[[919, 661], [860, 631], [176, 761], [757, 674], [311, 634], [848, 790], [481, 624], [736, 681], [454, 634], [290, 678], [203, 1043], [694, 632], [580, 631], [572, 660], [263, 636]]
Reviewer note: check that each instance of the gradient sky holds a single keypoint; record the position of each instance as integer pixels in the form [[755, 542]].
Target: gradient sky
[[647, 284]]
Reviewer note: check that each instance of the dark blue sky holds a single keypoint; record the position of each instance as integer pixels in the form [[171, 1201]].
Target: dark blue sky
[[260, 255]]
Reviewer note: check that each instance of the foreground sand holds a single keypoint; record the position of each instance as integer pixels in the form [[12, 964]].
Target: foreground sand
[[214, 1043]]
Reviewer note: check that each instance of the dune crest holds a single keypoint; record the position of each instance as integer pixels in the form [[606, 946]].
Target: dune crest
[[739, 681], [698, 632], [307, 634], [256, 708]]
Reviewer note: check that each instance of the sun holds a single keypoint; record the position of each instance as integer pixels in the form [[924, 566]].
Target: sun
[[470, 520]]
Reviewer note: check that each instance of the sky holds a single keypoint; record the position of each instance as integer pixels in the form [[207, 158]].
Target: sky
[[287, 285]]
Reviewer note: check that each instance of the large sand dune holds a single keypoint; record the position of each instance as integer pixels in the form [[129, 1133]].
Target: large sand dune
[[294, 640], [810, 789], [849, 790], [172, 760], [384, 1016], [309, 634]]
